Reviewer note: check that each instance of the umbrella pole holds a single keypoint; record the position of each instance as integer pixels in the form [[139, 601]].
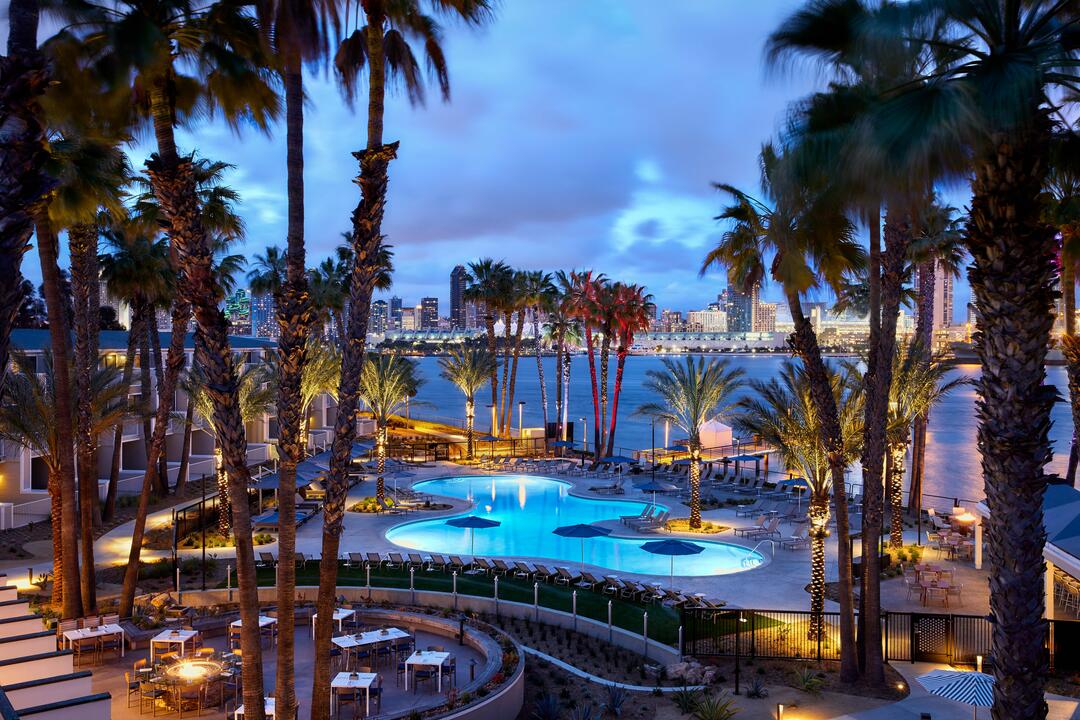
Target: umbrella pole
[[671, 575], [582, 554]]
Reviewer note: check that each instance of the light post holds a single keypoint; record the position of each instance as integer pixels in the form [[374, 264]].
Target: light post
[[492, 408], [654, 449], [521, 410], [667, 433]]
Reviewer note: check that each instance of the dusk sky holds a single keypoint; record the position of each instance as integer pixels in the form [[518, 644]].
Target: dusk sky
[[579, 134]]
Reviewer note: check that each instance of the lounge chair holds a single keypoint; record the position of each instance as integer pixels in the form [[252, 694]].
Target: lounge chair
[[645, 514], [415, 561], [267, 560], [769, 530], [374, 559], [611, 585], [656, 523], [762, 523], [672, 597], [565, 577], [483, 565], [301, 559], [589, 580], [633, 590], [436, 562], [356, 560], [542, 572], [522, 570], [501, 568], [760, 506], [457, 564], [395, 560], [752, 488], [391, 507], [799, 539]]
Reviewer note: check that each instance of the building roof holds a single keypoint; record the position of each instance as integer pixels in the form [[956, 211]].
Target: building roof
[[117, 340]]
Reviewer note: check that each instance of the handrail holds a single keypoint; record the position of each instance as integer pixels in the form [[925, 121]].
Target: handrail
[[745, 562]]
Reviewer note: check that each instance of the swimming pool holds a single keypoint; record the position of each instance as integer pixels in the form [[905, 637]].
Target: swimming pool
[[530, 508]]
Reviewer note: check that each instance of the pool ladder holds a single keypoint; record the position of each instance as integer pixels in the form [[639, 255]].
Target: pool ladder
[[747, 562]]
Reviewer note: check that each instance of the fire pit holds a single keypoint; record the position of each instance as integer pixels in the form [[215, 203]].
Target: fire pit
[[194, 671]]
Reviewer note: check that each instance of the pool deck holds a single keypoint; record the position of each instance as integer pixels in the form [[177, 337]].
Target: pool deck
[[777, 584]]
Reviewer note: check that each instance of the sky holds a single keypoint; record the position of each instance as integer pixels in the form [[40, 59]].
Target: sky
[[578, 135]]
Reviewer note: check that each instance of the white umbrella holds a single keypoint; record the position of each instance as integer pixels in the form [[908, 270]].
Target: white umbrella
[[973, 688]]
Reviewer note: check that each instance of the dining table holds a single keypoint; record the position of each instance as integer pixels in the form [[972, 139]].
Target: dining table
[[265, 621], [426, 658], [353, 681], [340, 616], [170, 638], [73, 636], [370, 637]]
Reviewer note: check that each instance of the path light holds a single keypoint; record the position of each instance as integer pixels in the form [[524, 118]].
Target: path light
[[779, 711]]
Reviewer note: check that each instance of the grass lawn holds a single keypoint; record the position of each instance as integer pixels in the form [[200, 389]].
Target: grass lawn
[[663, 620]]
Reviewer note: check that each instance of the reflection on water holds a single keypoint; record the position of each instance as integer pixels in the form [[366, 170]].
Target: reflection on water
[[530, 508], [952, 459]]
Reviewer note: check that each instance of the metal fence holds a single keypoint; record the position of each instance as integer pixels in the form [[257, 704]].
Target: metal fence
[[911, 637]]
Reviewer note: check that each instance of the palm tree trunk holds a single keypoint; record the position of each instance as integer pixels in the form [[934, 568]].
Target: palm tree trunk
[[82, 240], [24, 76], [513, 371], [804, 343], [145, 383], [502, 411], [470, 415], [185, 449], [560, 421], [173, 182], [595, 389], [605, 354], [159, 378], [924, 335], [380, 449], [56, 519], [118, 434], [818, 513], [367, 229], [1072, 369], [878, 380], [566, 390], [181, 313], [293, 318], [65, 432], [540, 368], [695, 482], [621, 353], [1012, 248], [894, 467], [874, 267], [489, 321]]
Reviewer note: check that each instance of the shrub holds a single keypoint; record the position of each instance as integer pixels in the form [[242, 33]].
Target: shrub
[[582, 712], [614, 698], [686, 699], [547, 707], [715, 707], [757, 689], [808, 680]]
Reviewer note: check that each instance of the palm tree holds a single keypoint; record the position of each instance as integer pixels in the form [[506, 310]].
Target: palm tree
[[582, 303], [384, 384], [1000, 65], [811, 243], [516, 302], [468, 368], [918, 384], [937, 243], [690, 395], [328, 296], [267, 275], [564, 332], [487, 279], [542, 295], [22, 161], [783, 413], [631, 316], [29, 416]]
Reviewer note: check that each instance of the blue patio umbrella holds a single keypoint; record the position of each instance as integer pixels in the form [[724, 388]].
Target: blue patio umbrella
[[672, 548], [618, 459], [472, 523], [563, 443], [971, 688], [400, 474], [360, 449], [581, 531], [682, 461], [676, 448], [489, 439]]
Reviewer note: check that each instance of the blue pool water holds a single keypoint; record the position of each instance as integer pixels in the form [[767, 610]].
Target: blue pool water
[[530, 508]]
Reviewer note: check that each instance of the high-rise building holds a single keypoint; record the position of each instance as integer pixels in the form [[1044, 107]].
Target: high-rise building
[[943, 298], [429, 313], [474, 315], [379, 318], [238, 312], [263, 320], [409, 319], [458, 280], [709, 321], [671, 321], [394, 317], [765, 318], [740, 309]]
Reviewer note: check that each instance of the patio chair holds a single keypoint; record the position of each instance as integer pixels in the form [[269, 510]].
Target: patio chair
[[110, 643], [761, 523], [415, 561], [436, 562], [769, 530], [611, 585], [673, 597], [522, 570], [799, 539], [86, 648], [656, 523], [632, 590], [483, 565], [356, 560], [456, 563], [374, 559], [589, 580], [758, 506], [132, 688], [267, 560], [395, 560], [501, 568], [645, 514], [149, 696]]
